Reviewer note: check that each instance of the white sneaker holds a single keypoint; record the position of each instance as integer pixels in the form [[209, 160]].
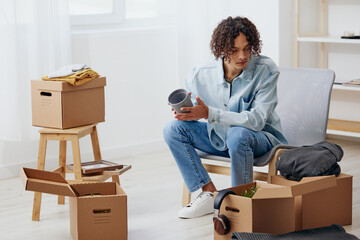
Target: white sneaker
[[202, 205]]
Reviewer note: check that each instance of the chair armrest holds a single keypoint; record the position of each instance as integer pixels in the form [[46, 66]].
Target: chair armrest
[[263, 160], [275, 157]]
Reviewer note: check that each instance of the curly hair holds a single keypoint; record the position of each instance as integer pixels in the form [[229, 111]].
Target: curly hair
[[222, 40]]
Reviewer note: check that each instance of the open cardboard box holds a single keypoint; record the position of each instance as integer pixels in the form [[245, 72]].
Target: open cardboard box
[[97, 210], [58, 104], [324, 207], [272, 209]]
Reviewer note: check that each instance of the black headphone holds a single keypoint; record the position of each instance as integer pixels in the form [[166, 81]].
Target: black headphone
[[221, 223]]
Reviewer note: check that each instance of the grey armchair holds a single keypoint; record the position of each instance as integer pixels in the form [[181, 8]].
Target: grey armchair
[[304, 97]]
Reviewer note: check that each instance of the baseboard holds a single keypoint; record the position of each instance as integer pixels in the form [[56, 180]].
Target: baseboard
[[10, 171]]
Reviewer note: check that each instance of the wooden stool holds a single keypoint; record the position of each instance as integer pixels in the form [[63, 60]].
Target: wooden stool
[[73, 135]]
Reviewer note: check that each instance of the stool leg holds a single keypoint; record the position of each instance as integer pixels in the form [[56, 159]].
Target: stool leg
[[95, 144], [97, 153], [75, 146], [116, 179], [40, 166], [62, 163]]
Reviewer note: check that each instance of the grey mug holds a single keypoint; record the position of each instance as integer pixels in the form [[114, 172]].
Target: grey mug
[[178, 99]]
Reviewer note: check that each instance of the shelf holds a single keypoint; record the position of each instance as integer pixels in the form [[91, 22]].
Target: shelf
[[345, 88], [344, 125], [343, 129], [342, 135], [336, 128], [328, 39]]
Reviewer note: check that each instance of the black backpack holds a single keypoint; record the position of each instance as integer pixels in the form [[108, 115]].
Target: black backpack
[[319, 159]]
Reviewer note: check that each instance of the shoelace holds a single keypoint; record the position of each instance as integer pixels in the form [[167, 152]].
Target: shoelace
[[197, 199]]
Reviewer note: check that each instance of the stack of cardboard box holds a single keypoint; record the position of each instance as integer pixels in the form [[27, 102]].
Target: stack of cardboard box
[[97, 210], [332, 205], [286, 206]]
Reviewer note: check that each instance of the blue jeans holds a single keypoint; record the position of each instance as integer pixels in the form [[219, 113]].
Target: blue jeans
[[243, 145]]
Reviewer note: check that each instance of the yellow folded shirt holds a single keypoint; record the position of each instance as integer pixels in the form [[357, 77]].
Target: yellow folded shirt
[[77, 78]]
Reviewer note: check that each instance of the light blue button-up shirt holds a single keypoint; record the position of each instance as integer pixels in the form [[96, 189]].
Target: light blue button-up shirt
[[251, 103]]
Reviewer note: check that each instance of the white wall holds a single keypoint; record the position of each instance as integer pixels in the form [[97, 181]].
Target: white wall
[[143, 65], [266, 18], [141, 70], [286, 41]]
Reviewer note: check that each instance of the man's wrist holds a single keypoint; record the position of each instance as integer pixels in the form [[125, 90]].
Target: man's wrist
[[213, 115]]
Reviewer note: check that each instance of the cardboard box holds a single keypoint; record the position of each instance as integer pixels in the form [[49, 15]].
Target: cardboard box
[[325, 207], [97, 210], [272, 208], [58, 104]]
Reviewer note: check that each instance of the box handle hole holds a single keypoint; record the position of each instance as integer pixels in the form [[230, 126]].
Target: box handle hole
[[95, 211], [47, 94], [232, 209]]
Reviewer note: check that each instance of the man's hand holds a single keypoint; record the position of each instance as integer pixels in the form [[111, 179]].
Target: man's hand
[[194, 113]]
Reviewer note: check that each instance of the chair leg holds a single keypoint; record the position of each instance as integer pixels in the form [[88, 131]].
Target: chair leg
[[186, 196], [272, 169], [40, 166], [62, 163]]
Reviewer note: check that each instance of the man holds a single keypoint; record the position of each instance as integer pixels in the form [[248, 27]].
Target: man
[[236, 93]]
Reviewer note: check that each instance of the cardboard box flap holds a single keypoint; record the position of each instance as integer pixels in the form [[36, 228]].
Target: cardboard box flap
[[46, 182], [271, 193], [44, 175], [313, 184]]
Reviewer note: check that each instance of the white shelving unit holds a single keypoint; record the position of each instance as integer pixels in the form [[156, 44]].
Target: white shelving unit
[[328, 39], [350, 126], [346, 88]]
